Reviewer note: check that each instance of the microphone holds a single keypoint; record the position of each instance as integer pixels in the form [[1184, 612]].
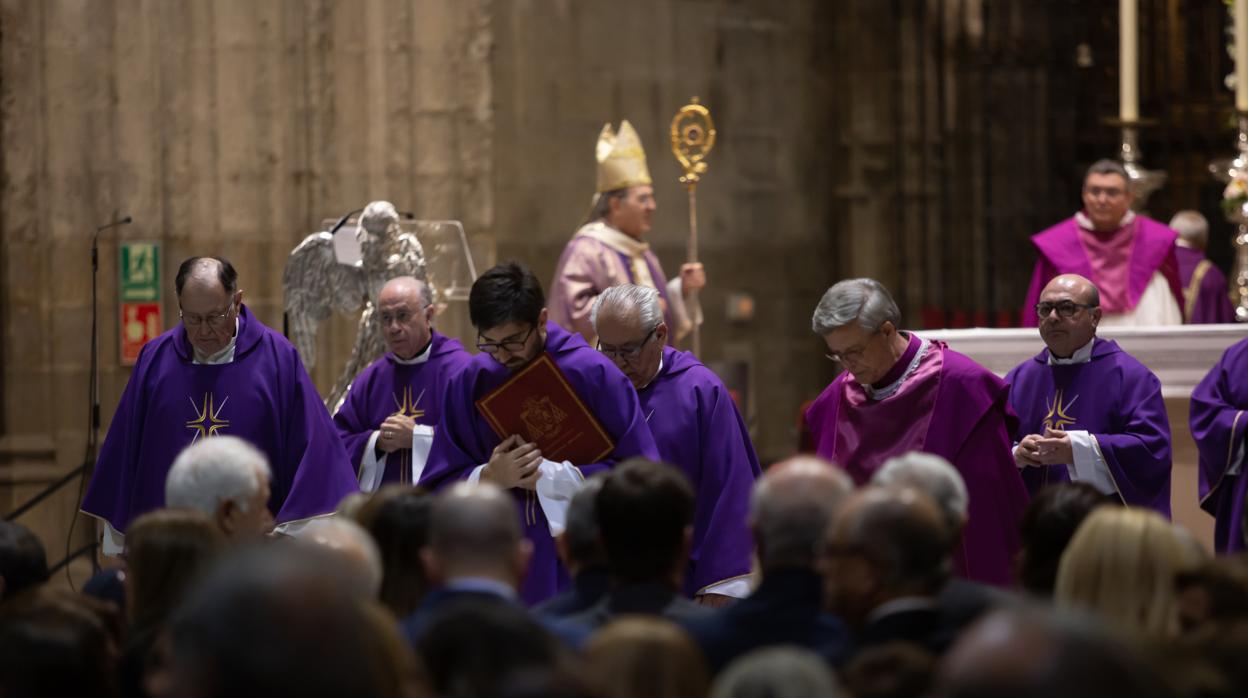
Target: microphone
[[95, 251], [122, 221]]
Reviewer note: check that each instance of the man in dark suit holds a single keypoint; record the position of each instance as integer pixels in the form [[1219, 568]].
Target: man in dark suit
[[886, 557], [961, 600], [645, 519], [477, 553], [790, 508]]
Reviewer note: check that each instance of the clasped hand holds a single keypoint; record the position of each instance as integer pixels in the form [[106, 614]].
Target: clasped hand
[[1051, 449], [396, 433], [514, 463]]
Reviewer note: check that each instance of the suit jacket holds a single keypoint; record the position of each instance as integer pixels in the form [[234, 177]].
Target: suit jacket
[[786, 609], [926, 627], [588, 588], [414, 626], [649, 598]]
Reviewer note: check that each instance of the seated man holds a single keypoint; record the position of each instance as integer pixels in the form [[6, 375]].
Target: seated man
[[507, 307], [886, 557], [387, 418], [1205, 297], [580, 549], [226, 479], [1088, 410], [790, 508], [23, 562], [902, 393], [697, 428], [1219, 421], [645, 516]]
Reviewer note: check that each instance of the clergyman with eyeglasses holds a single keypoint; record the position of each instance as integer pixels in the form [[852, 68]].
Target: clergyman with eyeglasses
[[220, 371], [1088, 410], [900, 392], [508, 309], [388, 415], [1130, 257], [697, 428]]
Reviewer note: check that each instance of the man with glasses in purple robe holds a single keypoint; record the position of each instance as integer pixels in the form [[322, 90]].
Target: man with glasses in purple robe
[[219, 372], [508, 308], [1129, 257], [1219, 421], [900, 392], [697, 428], [387, 418], [1089, 411]]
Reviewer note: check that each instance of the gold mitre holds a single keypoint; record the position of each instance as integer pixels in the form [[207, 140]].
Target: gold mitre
[[621, 161]]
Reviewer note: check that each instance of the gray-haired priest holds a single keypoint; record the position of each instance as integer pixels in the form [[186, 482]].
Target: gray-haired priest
[[697, 428]]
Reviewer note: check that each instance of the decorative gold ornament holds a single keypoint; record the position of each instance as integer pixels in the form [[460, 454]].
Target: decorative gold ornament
[[693, 136]]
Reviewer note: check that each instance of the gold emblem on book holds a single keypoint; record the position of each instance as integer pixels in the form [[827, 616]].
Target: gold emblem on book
[[541, 416]]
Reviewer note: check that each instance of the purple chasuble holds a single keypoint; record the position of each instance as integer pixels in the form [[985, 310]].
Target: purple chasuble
[[1060, 251], [1205, 301], [464, 439], [698, 429], [263, 396], [1219, 421], [1113, 397], [950, 406], [389, 387]]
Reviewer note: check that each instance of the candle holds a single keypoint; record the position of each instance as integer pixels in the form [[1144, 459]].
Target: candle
[[1128, 65], [1241, 56]]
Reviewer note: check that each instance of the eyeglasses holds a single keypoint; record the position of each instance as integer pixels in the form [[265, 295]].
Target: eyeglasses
[[511, 346], [215, 322], [852, 353], [1063, 308], [626, 353]]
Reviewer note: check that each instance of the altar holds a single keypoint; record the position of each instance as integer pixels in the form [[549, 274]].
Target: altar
[[1180, 356]]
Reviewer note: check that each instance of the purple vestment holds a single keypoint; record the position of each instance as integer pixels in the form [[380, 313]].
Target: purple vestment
[[588, 267], [389, 387], [1219, 421], [263, 396], [949, 406], [1205, 297], [1113, 397], [464, 439], [1061, 251], [698, 429]]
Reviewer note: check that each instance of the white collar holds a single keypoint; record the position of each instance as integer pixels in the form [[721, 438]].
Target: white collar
[[225, 356], [482, 585], [1084, 222], [893, 387], [656, 375], [420, 358], [1082, 355]]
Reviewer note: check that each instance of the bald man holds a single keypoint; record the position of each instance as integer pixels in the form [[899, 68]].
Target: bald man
[[1089, 411], [219, 372], [387, 418], [1205, 298], [790, 508]]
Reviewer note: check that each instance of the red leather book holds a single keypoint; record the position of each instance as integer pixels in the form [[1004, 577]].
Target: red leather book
[[539, 404]]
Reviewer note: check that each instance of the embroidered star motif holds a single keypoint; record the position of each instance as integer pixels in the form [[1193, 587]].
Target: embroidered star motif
[[1058, 416], [207, 420]]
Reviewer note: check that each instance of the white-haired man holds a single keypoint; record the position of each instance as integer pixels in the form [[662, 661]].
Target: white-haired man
[[697, 428], [227, 479], [1205, 299], [902, 393]]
